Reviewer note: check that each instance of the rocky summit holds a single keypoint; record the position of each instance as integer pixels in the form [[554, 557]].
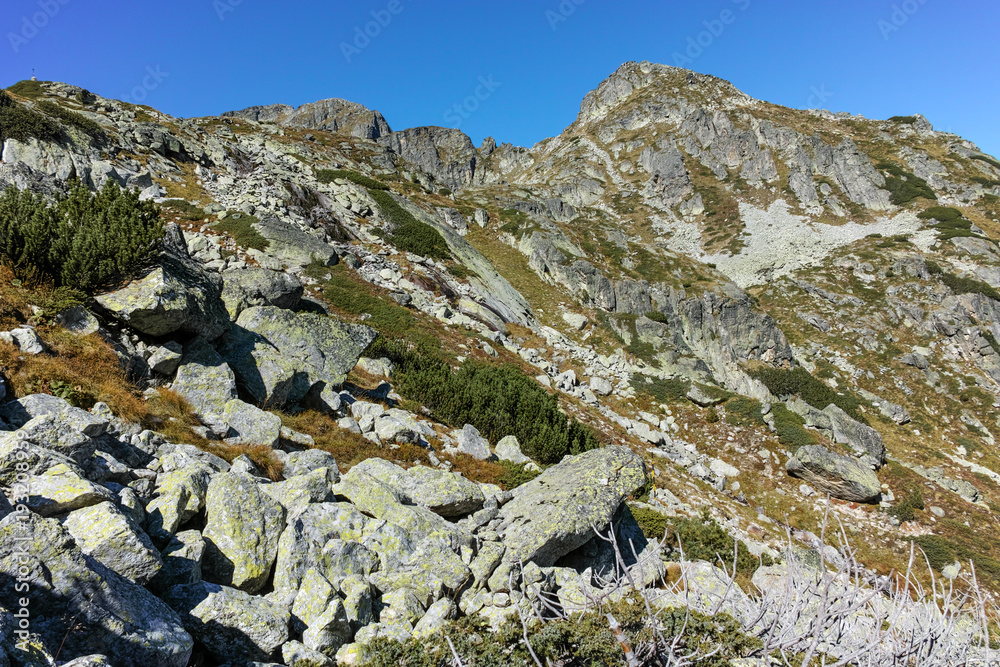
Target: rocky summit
[[700, 380]]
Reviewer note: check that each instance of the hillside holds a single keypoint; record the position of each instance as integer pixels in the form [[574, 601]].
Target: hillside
[[374, 388]]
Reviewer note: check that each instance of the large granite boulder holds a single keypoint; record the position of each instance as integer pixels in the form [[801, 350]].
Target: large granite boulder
[[105, 533], [178, 295], [233, 626], [292, 246], [444, 493], [859, 437], [19, 412], [558, 511], [246, 288], [840, 476], [204, 379], [279, 355], [109, 615], [241, 532]]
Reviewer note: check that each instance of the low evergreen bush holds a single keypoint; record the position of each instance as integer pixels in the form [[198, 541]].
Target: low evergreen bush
[[903, 186], [330, 175], [960, 285], [406, 232], [791, 428], [240, 227], [663, 390], [83, 240], [23, 124], [785, 383], [497, 400], [905, 120], [79, 121]]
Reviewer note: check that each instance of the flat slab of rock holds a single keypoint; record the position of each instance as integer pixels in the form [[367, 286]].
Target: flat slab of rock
[[861, 438], [279, 355], [556, 512], [113, 617], [177, 295], [253, 426], [840, 476]]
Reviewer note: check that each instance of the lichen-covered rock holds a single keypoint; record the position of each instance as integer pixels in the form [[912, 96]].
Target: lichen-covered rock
[[296, 493], [182, 559], [111, 615], [558, 511], [292, 246], [444, 493], [166, 359], [301, 544], [509, 449], [378, 499], [177, 295], [859, 437], [279, 355], [242, 529], [252, 425], [19, 412], [840, 476], [301, 463], [233, 626], [472, 443], [105, 533], [204, 379], [62, 489], [434, 620], [180, 496], [297, 654], [246, 288]]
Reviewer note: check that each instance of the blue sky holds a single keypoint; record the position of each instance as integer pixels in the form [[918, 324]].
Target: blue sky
[[530, 63]]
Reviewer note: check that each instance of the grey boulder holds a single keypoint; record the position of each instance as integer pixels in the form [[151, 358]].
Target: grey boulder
[[558, 511], [106, 534], [112, 616], [279, 355], [246, 288], [177, 295], [233, 626], [840, 476]]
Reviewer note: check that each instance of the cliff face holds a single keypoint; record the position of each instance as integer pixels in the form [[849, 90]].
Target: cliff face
[[755, 305]]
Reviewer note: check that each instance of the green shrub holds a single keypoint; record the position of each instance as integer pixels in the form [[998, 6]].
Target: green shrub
[[785, 383], [987, 159], [940, 213], [23, 124], [29, 89], [240, 227], [657, 316], [791, 428], [653, 524], [663, 390], [906, 506], [704, 539], [960, 285], [497, 400], [330, 175], [406, 232], [461, 272], [986, 182], [905, 120], [83, 240], [903, 186], [185, 209], [516, 474], [581, 640], [351, 295], [79, 121], [745, 411], [445, 192]]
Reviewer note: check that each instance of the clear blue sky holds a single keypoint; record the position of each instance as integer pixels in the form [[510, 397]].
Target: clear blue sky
[[929, 56]]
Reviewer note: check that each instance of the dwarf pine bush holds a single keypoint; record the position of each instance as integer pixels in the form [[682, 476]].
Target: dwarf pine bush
[[21, 123], [83, 240], [406, 232], [497, 400]]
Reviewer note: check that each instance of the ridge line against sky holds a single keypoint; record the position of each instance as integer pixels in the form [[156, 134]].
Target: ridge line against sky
[[516, 71]]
